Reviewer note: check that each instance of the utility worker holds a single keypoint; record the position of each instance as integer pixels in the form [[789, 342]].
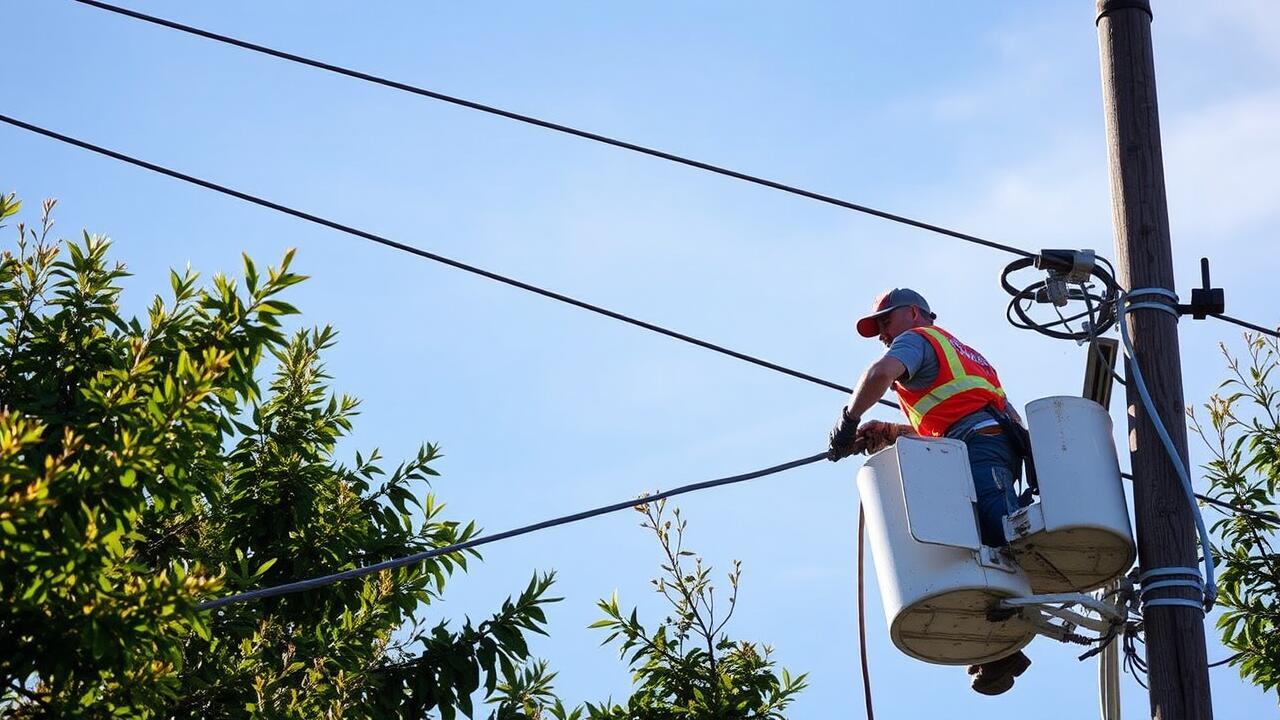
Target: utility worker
[[946, 389]]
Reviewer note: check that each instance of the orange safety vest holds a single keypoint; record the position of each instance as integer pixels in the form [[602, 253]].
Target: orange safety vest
[[966, 383]]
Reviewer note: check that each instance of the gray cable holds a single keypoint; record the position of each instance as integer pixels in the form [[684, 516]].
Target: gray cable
[[1210, 588], [323, 581]]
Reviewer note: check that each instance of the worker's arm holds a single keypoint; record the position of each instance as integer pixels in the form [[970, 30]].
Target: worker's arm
[[873, 384]]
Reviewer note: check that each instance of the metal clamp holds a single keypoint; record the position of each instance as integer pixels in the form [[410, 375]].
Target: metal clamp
[[1171, 308], [1190, 578]]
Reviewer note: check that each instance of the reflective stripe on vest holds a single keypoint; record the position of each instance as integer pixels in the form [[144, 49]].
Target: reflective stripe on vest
[[960, 388]]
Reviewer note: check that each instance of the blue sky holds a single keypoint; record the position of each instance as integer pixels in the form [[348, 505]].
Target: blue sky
[[984, 117]]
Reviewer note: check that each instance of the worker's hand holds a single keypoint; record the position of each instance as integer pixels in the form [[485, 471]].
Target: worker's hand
[[877, 435], [844, 437]]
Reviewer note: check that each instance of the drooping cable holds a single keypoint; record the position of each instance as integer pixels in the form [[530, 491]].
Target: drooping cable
[[557, 127], [326, 580], [862, 616], [309, 217]]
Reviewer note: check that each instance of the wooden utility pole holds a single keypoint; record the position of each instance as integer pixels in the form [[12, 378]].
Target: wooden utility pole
[[1179, 673]]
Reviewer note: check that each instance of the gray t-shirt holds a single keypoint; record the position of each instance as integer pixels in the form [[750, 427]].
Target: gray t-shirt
[[915, 352]]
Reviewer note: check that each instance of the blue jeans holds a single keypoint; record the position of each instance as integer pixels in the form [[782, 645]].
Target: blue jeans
[[995, 465]]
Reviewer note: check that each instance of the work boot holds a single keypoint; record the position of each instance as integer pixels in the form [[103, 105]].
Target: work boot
[[997, 676]]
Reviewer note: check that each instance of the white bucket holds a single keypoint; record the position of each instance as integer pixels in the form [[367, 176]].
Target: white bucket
[[1077, 536], [937, 583]]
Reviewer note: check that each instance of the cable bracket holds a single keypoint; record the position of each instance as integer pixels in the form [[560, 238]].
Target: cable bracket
[[1205, 300], [1169, 303], [1183, 577]]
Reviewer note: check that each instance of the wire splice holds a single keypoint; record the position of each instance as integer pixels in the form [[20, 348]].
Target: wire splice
[[1063, 268]]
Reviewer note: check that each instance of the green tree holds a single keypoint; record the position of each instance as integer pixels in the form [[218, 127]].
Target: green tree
[[142, 470], [1244, 437], [687, 666]]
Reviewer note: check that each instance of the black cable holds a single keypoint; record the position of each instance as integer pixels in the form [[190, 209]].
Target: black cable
[[472, 105], [1224, 504], [553, 126], [428, 255], [1035, 292], [1249, 325], [326, 580], [862, 616], [1227, 660], [1239, 510]]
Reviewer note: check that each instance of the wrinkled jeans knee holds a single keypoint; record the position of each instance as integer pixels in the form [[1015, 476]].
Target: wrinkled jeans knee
[[995, 466], [996, 499]]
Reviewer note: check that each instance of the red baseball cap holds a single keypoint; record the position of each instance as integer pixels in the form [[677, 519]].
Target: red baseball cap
[[888, 301]]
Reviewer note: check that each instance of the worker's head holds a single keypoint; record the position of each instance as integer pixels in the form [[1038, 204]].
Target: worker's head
[[893, 313]]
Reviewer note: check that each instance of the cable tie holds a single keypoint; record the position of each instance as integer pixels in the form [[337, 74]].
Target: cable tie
[[1166, 571], [1191, 580], [1210, 591], [1172, 308], [1174, 602], [1197, 584]]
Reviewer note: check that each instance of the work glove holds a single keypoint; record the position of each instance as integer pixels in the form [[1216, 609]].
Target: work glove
[[877, 435], [844, 437]]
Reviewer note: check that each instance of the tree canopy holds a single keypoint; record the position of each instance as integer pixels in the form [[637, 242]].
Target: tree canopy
[[143, 469]]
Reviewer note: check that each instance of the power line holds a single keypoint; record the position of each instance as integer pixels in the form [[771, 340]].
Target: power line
[[1239, 510], [557, 127], [1227, 660], [595, 137], [1226, 505], [1249, 325], [208, 185], [319, 582]]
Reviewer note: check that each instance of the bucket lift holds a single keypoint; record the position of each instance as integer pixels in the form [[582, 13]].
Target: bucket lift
[[950, 600], [1076, 537]]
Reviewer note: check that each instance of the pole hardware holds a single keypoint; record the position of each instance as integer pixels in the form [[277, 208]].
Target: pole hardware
[[1205, 300], [1064, 267]]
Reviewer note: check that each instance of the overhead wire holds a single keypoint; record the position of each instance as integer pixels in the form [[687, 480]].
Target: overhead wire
[[586, 135], [596, 137], [435, 257], [1235, 509], [319, 582], [1244, 324], [326, 580], [1269, 517], [1227, 660], [557, 127]]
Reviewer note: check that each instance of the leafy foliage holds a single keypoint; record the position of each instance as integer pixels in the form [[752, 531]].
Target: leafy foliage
[[1244, 436], [143, 470], [687, 667]]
